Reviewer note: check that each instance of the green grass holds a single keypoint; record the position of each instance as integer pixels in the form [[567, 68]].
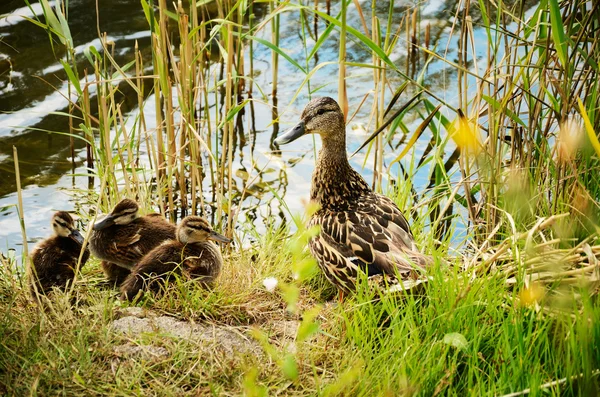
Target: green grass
[[459, 336]]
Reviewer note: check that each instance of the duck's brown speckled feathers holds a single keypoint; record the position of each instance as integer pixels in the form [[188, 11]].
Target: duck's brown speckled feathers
[[122, 238], [55, 258], [192, 255], [360, 230], [114, 273]]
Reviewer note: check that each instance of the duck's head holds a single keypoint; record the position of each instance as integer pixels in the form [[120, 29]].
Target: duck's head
[[123, 213], [321, 116], [64, 226], [195, 229]]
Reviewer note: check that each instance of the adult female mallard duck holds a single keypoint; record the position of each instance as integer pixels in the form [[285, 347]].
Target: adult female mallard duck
[[55, 258], [122, 238], [361, 231], [192, 254]]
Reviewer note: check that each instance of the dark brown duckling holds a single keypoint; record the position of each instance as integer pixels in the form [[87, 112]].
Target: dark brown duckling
[[360, 231], [55, 259], [192, 254], [122, 238]]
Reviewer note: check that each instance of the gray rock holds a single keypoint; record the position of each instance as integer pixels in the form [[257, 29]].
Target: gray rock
[[228, 340], [144, 352]]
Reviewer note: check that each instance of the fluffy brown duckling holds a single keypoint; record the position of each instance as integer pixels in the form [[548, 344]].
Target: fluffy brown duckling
[[360, 231], [192, 254], [122, 238], [55, 259]]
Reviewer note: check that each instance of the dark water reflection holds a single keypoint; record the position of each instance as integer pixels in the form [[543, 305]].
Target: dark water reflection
[[32, 85]]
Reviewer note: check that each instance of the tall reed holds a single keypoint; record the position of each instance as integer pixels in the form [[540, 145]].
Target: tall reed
[[510, 147]]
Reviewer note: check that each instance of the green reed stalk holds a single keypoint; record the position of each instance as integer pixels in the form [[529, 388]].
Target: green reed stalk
[[104, 128], [120, 132], [379, 93], [342, 97], [26, 262], [129, 144], [186, 104], [274, 54], [160, 146], [203, 94], [228, 130], [216, 177], [142, 128], [87, 127], [200, 94], [162, 90], [463, 87], [193, 122], [251, 26]]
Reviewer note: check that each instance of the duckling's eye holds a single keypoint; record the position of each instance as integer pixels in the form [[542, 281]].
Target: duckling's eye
[[321, 111]]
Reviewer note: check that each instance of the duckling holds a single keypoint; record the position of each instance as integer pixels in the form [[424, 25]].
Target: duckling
[[192, 254], [122, 238], [361, 231], [55, 259]]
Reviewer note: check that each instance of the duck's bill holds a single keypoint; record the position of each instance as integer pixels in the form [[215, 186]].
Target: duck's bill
[[218, 237], [76, 236], [104, 223], [292, 134]]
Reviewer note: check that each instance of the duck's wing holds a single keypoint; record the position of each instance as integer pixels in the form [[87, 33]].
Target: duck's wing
[[373, 236], [141, 236], [129, 239], [127, 246]]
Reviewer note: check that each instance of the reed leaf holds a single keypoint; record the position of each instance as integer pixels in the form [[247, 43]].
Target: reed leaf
[[416, 135], [561, 41], [382, 127], [278, 50], [589, 128]]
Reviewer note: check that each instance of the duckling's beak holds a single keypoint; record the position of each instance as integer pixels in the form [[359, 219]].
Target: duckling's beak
[[76, 236], [218, 237], [104, 223], [292, 134]]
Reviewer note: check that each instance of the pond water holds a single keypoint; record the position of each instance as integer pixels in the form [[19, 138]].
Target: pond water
[[33, 90]]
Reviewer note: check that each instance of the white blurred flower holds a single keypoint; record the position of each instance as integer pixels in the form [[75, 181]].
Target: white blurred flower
[[270, 283]]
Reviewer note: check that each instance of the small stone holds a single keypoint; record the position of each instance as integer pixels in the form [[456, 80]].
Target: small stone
[[285, 332], [143, 352], [285, 328], [132, 311], [132, 325]]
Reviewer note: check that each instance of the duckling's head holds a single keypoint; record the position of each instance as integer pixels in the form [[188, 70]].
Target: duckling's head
[[321, 116], [123, 213], [64, 226], [195, 229]]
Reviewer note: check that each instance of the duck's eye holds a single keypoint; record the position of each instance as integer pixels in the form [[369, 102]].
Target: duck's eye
[[321, 111]]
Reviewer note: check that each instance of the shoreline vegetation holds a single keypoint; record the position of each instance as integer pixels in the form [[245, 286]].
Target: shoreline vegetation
[[513, 158]]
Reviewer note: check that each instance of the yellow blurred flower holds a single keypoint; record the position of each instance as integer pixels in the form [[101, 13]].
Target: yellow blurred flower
[[466, 135], [532, 294]]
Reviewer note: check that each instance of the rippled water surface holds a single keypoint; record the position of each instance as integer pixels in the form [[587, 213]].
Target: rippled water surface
[[33, 93]]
